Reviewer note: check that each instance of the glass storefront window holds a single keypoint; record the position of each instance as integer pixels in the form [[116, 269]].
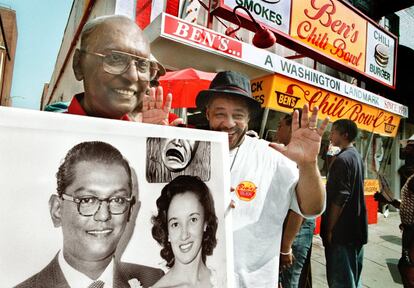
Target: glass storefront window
[[375, 150]]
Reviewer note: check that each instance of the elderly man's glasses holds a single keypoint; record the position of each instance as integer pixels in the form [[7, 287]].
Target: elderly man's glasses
[[89, 205], [117, 63]]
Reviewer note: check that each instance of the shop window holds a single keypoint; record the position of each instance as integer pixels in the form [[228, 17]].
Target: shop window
[[374, 149], [270, 131], [376, 152]]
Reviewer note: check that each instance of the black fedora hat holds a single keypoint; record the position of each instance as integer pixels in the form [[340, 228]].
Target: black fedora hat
[[230, 83]]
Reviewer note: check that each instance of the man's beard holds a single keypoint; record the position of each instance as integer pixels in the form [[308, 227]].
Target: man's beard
[[241, 135]]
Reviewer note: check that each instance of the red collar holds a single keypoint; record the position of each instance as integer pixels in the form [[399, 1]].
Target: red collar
[[76, 109]]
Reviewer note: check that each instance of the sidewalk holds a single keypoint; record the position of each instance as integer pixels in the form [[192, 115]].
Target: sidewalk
[[380, 260]]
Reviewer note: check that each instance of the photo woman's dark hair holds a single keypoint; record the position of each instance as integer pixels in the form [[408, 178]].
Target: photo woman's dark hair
[[180, 185]]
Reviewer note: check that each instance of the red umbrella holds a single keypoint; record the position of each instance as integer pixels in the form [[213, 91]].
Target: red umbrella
[[185, 85]]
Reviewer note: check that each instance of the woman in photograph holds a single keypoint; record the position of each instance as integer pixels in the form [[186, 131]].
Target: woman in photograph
[[186, 227]]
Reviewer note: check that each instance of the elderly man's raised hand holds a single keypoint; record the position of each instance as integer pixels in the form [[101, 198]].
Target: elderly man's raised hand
[[305, 142], [154, 111]]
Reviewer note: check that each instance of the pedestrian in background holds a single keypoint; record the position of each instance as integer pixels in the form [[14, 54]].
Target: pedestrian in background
[[406, 154], [406, 263], [406, 206], [344, 225], [297, 231]]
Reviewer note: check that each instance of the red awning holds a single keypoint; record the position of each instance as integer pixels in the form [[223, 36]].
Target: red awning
[[185, 85]]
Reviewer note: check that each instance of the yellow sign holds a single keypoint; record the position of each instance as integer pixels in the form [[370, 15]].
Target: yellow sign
[[371, 186], [330, 28], [281, 93]]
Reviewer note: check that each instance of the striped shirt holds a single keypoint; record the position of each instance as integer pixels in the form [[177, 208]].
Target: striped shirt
[[407, 203]]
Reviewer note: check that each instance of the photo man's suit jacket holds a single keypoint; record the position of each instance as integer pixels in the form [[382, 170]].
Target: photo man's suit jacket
[[52, 276]]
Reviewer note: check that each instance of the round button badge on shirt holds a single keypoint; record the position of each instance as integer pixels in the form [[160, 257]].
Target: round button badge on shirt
[[246, 191]]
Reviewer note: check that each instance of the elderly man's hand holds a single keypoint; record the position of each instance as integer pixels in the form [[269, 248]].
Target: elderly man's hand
[[305, 142], [153, 110]]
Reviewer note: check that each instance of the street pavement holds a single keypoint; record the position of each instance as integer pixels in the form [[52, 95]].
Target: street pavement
[[380, 259]]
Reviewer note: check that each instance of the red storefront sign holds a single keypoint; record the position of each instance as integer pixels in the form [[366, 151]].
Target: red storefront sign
[[206, 38]]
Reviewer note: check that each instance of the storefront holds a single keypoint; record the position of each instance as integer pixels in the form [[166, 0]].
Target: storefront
[[377, 125], [284, 78], [281, 85]]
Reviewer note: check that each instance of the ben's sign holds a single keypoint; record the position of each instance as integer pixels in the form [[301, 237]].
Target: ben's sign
[[371, 186], [286, 100], [331, 29], [281, 93], [202, 37]]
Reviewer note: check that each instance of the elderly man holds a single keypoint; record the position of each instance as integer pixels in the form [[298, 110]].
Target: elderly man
[[115, 66], [267, 182], [92, 206]]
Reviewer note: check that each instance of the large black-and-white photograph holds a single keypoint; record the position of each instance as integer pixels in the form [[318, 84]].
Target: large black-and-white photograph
[[79, 194]]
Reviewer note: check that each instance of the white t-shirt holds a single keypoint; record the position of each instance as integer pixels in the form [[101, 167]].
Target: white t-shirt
[[258, 223]]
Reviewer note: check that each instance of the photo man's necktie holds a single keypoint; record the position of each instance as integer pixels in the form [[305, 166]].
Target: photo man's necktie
[[97, 284]]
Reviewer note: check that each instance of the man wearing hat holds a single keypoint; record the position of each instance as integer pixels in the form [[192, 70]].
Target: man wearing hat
[[267, 182]]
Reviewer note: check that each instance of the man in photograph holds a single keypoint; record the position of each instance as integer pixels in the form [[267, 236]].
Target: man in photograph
[[267, 182], [93, 205]]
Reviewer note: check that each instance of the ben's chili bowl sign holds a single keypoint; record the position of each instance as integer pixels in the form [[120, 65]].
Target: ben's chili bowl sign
[[246, 191], [328, 26], [281, 93]]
